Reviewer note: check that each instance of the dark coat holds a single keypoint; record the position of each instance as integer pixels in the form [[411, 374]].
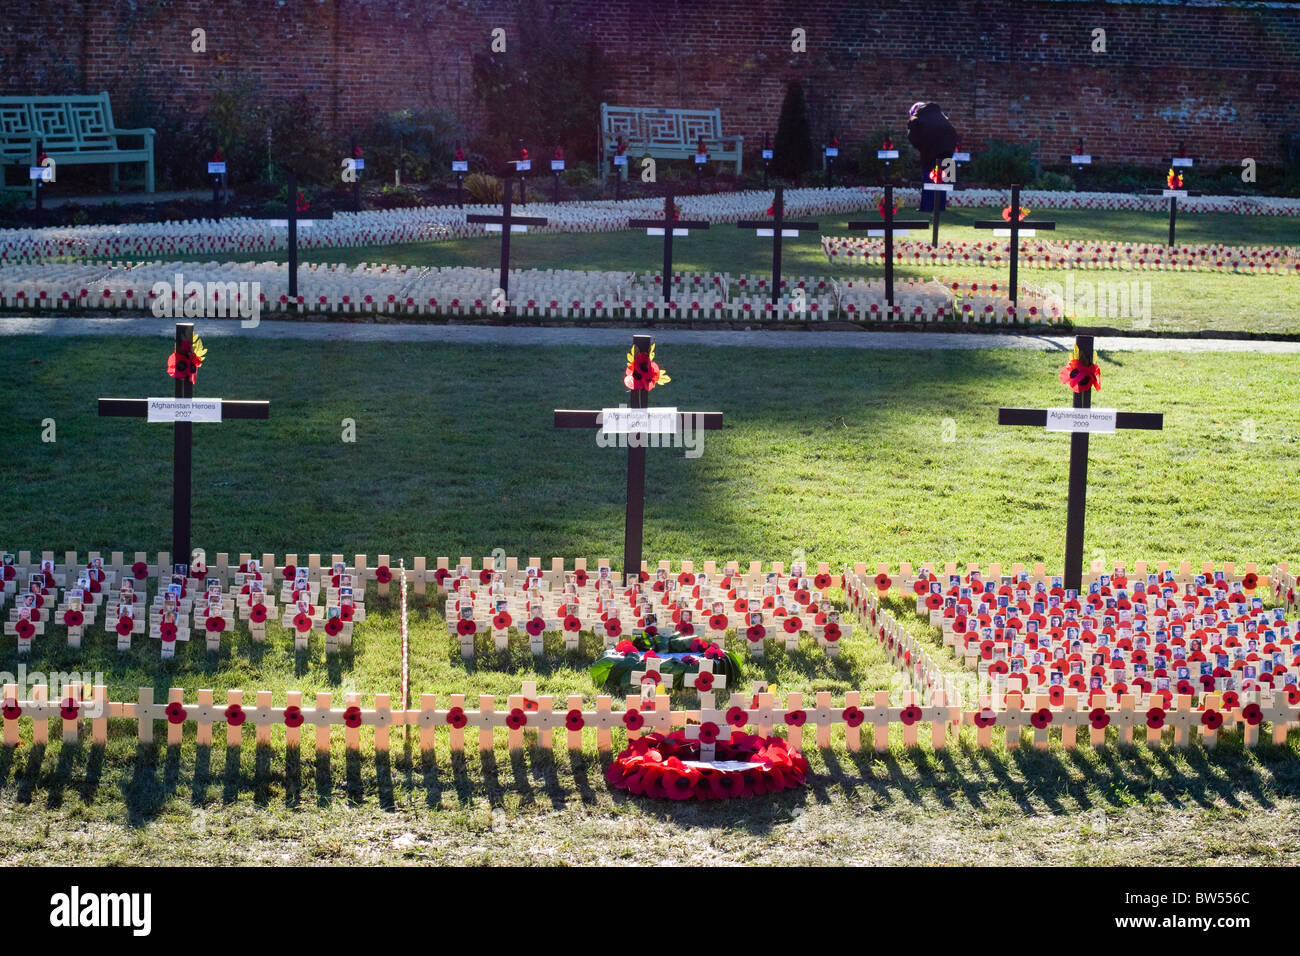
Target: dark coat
[[933, 136]]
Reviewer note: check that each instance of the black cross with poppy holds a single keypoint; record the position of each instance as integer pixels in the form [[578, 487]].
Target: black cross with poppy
[[182, 434], [669, 226], [292, 216], [1078, 490], [506, 223], [635, 511], [887, 225], [778, 227], [1015, 224]]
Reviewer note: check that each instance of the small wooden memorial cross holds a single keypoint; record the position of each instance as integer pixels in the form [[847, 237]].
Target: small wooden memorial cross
[[635, 514], [886, 227], [506, 224], [1080, 424], [183, 411], [668, 227], [1014, 226], [778, 227], [1174, 188]]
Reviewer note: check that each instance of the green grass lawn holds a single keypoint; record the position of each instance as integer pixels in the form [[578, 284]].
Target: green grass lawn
[[838, 453], [1180, 302]]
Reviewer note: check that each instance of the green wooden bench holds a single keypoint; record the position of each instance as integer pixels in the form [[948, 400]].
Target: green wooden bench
[[665, 134], [73, 129]]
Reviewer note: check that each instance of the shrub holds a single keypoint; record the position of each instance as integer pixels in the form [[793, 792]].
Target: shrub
[[420, 143], [484, 189], [793, 149], [1003, 164], [547, 89], [579, 175], [1053, 182]]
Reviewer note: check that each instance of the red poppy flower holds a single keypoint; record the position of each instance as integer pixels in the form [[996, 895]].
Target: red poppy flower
[[1211, 720], [175, 713], [1230, 699], [466, 628], [11, 710], [235, 715], [352, 716], [1156, 718], [737, 717], [822, 581], [516, 719], [571, 623], [934, 601], [1041, 718], [718, 622], [258, 614], [1252, 714], [302, 622], [183, 363], [501, 620], [293, 716], [831, 633], [633, 720], [1250, 581], [883, 581], [124, 625], [535, 626], [68, 710], [1056, 695], [703, 682], [167, 632], [383, 574], [796, 718], [709, 732], [346, 613], [334, 626], [910, 715], [573, 720], [456, 717], [73, 618], [756, 633], [986, 717], [215, 625], [853, 716], [1080, 377], [1099, 717], [792, 625]]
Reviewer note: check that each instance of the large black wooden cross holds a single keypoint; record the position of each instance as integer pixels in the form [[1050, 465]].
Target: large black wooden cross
[[887, 227], [778, 227], [291, 218], [182, 431], [1015, 225], [1080, 427], [669, 226], [507, 224], [635, 515]]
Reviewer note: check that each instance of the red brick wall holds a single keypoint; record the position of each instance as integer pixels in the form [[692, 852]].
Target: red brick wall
[[1215, 76]]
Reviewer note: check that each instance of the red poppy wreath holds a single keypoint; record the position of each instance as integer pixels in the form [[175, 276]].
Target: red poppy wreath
[[666, 766]]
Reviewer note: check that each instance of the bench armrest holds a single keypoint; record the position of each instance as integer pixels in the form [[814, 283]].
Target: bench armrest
[[142, 131]]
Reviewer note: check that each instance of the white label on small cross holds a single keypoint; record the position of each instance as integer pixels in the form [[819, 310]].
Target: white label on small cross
[[1181, 161], [1007, 232], [961, 157], [938, 187], [886, 154], [657, 231], [1081, 159], [184, 410], [1093, 420], [881, 232], [1176, 193], [460, 165], [787, 233], [650, 421], [215, 168]]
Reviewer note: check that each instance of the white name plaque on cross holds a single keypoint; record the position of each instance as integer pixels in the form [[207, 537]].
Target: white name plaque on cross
[[184, 410], [1093, 420], [650, 421]]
